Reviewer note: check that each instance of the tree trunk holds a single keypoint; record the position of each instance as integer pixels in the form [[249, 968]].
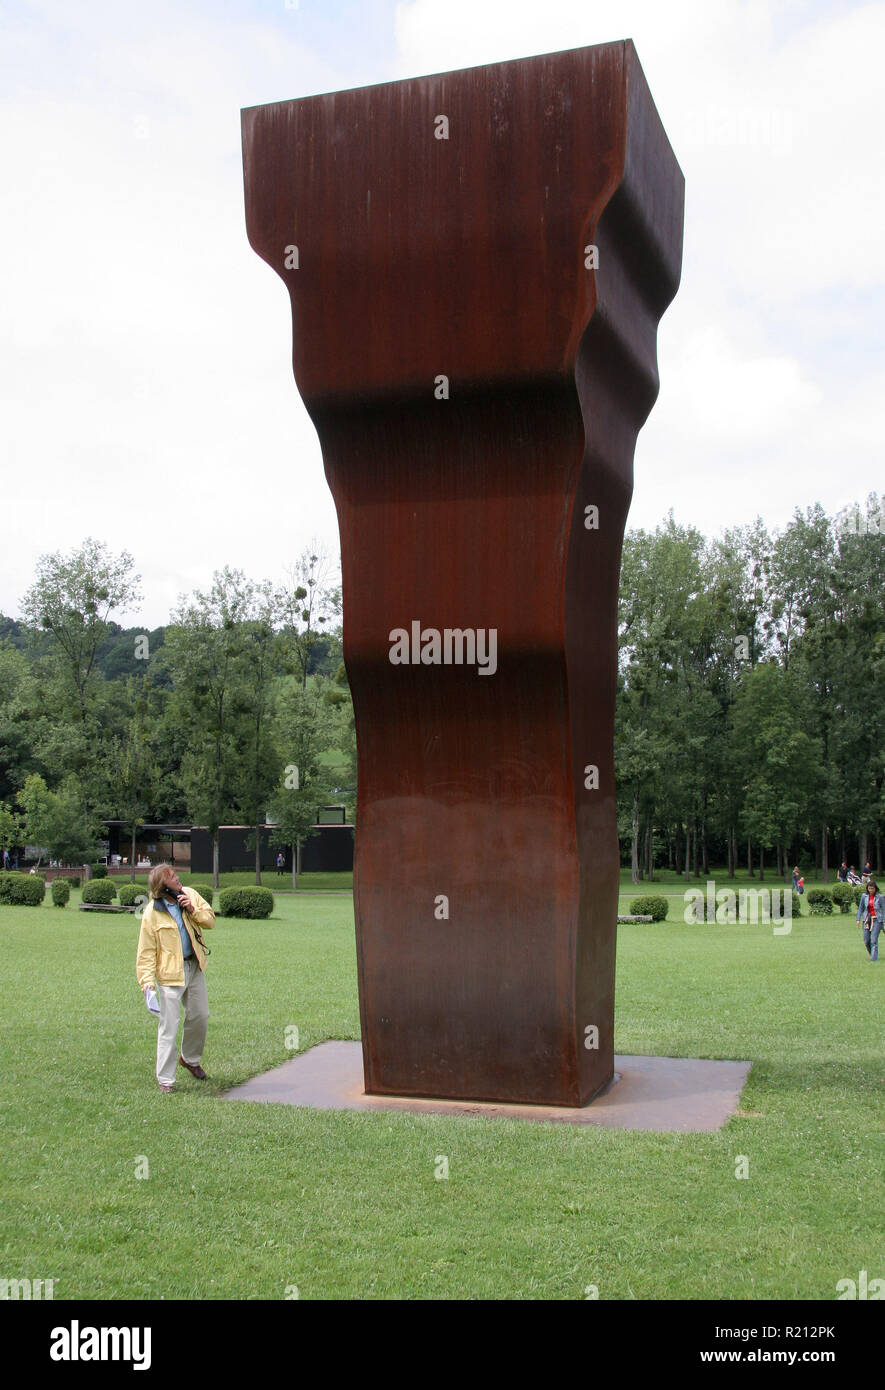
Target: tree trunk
[[761, 863], [132, 856], [730, 843], [779, 858], [294, 868], [649, 853], [825, 853], [215, 860], [878, 865], [257, 853], [634, 838], [864, 849], [694, 850], [677, 853], [750, 873], [705, 858], [687, 851]]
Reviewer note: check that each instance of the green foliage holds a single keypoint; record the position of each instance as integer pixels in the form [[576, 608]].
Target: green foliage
[[843, 896], [205, 890], [73, 880], [10, 827], [130, 894], [72, 599], [98, 890], [653, 907], [98, 870], [857, 892], [23, 890], [820, 902], [61, 892], [245, 902]]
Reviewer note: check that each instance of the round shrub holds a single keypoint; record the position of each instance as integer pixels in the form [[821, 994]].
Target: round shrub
[[857, 891], [98, 870], [843, 896], [245, 902], [205, 890], [74, 880], [98, 890], [22, 890], [132, 894], [61, 892], [820, 902], [653, 907]]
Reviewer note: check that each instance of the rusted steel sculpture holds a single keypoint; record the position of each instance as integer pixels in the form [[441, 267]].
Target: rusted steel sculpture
[[477, 262]]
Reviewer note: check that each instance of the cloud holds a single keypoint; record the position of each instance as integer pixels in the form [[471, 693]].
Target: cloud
[[773, 112], [145, 370]]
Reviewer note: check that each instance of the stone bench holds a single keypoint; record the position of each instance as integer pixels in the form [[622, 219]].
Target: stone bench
[[107, 907], [635, 919]]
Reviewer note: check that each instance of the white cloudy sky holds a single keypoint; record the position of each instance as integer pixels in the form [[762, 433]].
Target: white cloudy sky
[[145, 349]]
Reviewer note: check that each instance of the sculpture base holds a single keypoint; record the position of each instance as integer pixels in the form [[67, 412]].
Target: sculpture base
[[652, 1093]]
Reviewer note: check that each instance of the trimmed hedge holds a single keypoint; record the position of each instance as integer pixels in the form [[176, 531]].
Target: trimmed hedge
[[22, 890], [245, 902], [653, 907], [132, 894], [820, 902], [857, 890], [74, 880], [205, 890], [843, 896], [61, 892], [98, 870], [98, 890]]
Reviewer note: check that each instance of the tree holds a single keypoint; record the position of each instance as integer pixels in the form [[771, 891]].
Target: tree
[[10, 828], [781, 758], [205, 651], [264, 653], [309, 604], [308, 721], [132, 769], [72, 598], [58, 821]]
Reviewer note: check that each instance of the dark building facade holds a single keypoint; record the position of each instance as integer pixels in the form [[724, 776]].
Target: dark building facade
[[328, 850]]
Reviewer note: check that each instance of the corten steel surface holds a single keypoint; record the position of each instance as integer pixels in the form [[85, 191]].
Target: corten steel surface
[[464, 257]]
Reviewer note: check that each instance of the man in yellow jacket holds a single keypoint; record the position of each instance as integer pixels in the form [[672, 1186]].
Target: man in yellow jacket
[[172, 957]]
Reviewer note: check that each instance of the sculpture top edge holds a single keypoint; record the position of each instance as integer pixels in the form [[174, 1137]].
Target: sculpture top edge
[[627, 45]]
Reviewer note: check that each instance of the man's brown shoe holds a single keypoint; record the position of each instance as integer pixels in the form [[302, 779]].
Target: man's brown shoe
[[164, 1087], [194, 1068]]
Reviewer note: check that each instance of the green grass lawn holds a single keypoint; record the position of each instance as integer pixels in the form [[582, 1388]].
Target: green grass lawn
[[244, 1200]]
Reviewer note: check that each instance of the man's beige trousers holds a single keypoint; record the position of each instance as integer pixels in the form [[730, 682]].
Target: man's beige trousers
[[192, 994]]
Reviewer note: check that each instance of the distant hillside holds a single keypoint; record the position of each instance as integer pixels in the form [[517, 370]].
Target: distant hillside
[[115, 655]]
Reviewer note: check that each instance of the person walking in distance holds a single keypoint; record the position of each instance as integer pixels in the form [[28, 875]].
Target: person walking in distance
[[870, 913], [172, 956]]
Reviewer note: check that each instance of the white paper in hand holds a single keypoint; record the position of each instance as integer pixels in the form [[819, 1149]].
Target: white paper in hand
[[150, 999]]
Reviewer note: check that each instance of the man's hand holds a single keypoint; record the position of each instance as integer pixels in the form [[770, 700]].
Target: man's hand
[[185, 903]]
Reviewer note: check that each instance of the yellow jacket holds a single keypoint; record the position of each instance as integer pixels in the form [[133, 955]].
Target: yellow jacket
[[160, 958]]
